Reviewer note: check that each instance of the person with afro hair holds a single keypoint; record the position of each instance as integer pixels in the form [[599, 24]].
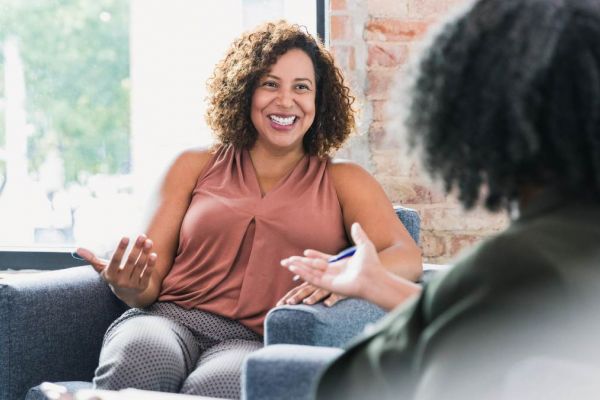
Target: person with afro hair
[[505, 109]]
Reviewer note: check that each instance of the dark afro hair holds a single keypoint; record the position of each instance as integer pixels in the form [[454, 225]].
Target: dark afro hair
[[508, 95], [250, 57]]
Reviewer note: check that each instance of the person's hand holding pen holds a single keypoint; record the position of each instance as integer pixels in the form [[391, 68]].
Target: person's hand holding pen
[[348, 273], [311, 294], [361, 275]]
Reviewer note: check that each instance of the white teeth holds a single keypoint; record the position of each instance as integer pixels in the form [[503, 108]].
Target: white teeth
[[283, 120]]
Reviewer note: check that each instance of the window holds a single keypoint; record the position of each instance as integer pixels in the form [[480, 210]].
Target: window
[[97, 97]]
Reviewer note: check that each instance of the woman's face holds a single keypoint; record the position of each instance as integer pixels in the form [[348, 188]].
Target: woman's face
[[283, 104]]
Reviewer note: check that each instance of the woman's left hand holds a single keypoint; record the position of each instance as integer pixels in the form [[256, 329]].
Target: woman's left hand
[[309, 294]]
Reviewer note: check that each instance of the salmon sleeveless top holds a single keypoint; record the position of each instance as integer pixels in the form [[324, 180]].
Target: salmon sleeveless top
[[232, 238]]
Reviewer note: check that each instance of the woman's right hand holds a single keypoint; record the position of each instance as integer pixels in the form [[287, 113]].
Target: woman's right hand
[[131, 278]]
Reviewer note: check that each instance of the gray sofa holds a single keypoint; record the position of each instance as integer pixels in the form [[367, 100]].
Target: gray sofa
[[52, 325]]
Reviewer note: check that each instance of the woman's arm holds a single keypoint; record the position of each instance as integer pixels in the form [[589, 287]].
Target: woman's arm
[[157, 248], [363, 200]]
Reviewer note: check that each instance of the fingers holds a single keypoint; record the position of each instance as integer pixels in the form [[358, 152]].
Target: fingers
[[316, 254], [317, 264], [297, 294], [360, 237], [115, 262], [316, 296], [90, 257], [136, 271], [140, 261], [291, 294], [135, 254], [295, 263], [358, 234], [307, 294], [309, 275], [147, 272], [334, 298]]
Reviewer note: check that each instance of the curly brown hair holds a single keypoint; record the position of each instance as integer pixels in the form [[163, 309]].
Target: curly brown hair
[[250, 57]]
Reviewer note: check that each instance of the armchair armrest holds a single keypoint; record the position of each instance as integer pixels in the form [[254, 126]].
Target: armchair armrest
[[411, 220], [284, 371], [318, 325], [51, 328]]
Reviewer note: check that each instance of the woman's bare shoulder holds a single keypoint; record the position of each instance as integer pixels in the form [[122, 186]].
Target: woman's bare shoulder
[[193, 160], [353, 182], [197, 157], [345, 170], [187, 166]]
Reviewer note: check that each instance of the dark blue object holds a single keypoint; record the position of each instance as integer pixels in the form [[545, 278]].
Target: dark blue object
[[349, 252]]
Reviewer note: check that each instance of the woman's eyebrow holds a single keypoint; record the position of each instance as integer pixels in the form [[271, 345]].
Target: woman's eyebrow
[[295, 79]]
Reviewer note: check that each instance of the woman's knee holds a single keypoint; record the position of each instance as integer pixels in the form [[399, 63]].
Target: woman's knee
[[218, 372], [146, 353]]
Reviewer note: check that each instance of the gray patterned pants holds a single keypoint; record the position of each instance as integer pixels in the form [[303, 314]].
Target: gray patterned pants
[[170, 349]]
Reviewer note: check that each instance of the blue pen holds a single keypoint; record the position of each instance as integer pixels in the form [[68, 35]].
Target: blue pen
[[349, 252]]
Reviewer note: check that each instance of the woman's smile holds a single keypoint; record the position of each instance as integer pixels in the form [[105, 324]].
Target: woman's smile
[[283, 104], [283, 122]]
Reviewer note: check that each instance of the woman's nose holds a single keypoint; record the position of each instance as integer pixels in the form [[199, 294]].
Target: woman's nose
[[285, 99]]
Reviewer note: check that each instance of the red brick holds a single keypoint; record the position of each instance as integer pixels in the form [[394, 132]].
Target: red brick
[[338, 5], [344, 57], [380, 111], [405, 191], [381, 139], [454, 218], [379, 83], [395, 30], [460, 243], [387, 55], [432, 245], [433, 8], [391, 162], [390, 8], [340, 27], [428, 194]]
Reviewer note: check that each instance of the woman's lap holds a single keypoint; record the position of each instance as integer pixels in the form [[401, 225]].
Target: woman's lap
[[168, 348]]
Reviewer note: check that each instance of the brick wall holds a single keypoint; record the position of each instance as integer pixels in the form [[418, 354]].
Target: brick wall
[[374, 42]]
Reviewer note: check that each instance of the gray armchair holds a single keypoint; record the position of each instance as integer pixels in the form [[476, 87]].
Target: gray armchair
[[52, 325]]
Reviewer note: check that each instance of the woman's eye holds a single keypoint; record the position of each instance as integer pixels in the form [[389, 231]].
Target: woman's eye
[[270, 84], [302, 86]]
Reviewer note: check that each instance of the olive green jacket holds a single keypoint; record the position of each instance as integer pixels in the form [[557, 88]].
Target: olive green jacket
[[528, 293]]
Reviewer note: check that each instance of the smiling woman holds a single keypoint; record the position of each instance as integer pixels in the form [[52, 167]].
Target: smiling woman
[[239, 73], [283, 104], [203, 276]]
